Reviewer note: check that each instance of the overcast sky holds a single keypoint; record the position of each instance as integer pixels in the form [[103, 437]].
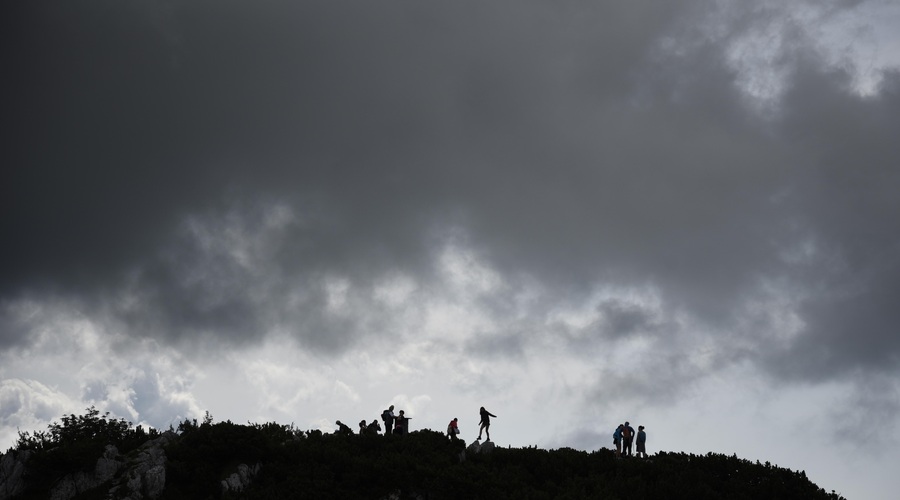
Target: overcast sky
[[683, 214]]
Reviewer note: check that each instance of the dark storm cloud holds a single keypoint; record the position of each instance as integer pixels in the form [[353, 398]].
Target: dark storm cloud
[[125, 116], [845, 196], [153, 147]]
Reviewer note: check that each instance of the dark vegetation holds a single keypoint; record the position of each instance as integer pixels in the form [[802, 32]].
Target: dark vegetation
[[423, 464], [74, 444]]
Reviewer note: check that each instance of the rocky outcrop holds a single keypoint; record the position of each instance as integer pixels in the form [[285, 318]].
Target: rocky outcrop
[[479, 447], [400, 495], [237, 481], [12, 473], [145, 477], [141, 475], [106, 468]]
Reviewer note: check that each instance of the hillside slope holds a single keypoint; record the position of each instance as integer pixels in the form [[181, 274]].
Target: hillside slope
[[92, 457]]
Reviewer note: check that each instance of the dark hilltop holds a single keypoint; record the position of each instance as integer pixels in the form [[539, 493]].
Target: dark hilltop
[[92, 456]]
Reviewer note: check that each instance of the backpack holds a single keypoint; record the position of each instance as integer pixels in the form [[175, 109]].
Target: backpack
[[385, 415]]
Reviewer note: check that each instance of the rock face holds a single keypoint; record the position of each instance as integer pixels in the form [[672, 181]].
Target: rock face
[[139, 476], [108, 465], [479, 447], [237, 481], [12, 470], [146, 475]]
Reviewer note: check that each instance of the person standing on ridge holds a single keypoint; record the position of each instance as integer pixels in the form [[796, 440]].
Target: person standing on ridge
[[485, 423], [627, 439], [387, 416], [641, 442], [617, 440], [401, 424]]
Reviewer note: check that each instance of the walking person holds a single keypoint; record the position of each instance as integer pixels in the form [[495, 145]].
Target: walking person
[[641, 442], [485, 423]]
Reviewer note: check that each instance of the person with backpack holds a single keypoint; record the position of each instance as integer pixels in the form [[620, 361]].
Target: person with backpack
[[641, 442], [617, 440], [627, 439], [453, 429], [485, 423], [387, 416]]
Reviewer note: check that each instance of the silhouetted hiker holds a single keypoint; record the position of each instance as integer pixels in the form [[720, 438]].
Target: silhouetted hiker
[[617, 440], [453, 429], [374, 428], [387, 416], [362, 427], [401, 424], [627, 439], [641, 442], [343, 429], [485, 423]]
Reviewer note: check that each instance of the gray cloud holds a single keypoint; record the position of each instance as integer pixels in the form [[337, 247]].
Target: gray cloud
[[207, 174], [624, 320], [865, 416]]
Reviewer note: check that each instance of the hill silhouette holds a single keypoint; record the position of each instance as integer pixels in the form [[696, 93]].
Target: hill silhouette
[[94, 457]]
